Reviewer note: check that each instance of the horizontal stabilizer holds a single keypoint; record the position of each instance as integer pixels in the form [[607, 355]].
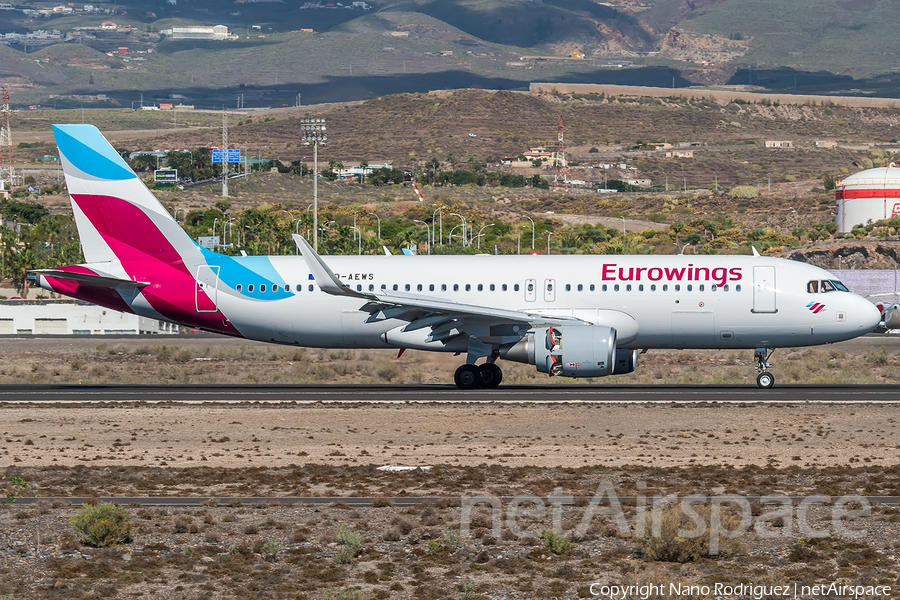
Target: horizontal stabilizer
[[98, 281]]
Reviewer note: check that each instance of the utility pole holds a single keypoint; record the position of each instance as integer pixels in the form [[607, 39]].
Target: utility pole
[[561, 174]]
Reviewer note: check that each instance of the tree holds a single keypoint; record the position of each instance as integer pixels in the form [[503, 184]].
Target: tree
[[363, 165]]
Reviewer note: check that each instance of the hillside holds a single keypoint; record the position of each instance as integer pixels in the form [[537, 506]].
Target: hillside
[[420, 45]]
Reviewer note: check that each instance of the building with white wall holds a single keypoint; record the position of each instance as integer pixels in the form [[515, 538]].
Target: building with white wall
[[73, 317]]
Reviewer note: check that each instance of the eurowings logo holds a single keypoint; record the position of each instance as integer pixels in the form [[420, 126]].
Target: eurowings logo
[[815, 307]]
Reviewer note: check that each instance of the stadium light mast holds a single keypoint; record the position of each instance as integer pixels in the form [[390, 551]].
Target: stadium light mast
[[312, 131], [561, 174], [7, 168]]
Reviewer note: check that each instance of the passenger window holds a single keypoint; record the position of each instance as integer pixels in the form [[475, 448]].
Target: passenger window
[[604, 287], [580, 287], [530, 287], [714, 287], [443, 287], [665, 287], [641, 288], [480, 288], [358, 287], [616, 288], [371, 287], [701, 287], [238, 287], [677, 287], [395, 287], [287, 287], [690, 288], [652, 287], [737, 288], [725, 287], [492, 288], [383, 286], [406, 287], [262, 288], [419, 288], [812, 287], [250, 288], [516, 287], [568, 287], [430, 287], [274, 287], [628, 288], [503, 288], [592, 287], [311, 287], [468, 287], [455, 287]]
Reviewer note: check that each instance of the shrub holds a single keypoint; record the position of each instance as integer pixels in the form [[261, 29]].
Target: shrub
[[382, 502], [102, 525], [352, 544], [556, 544], [342, 593], [270, 550], [744, 191], [677, 540]]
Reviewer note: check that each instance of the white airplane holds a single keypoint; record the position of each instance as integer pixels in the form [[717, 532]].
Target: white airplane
[[574, 316]]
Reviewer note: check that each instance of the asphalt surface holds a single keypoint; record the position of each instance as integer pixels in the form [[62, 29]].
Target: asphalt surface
[[446, 393]]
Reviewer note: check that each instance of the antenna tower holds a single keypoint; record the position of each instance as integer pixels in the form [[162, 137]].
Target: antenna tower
[[224, 153], [562, 173], [7, 169]]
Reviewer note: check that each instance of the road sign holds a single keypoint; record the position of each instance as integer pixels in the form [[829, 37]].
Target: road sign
[[165, 178], [234, 155]]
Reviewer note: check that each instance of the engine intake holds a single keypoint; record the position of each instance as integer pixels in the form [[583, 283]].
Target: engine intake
[[577, 351]]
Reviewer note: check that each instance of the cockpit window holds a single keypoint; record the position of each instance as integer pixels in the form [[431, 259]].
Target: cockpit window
[[812, 287], [827, 286], [839, 286]]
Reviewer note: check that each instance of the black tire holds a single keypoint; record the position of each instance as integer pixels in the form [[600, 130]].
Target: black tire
[[491, 375], [467, 377], [765, 380]]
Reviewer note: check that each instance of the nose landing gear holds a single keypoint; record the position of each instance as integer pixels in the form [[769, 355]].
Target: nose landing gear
[[764, 380]]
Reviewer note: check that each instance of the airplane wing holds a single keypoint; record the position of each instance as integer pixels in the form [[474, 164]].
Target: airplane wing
[[89, 279], [424, 310]]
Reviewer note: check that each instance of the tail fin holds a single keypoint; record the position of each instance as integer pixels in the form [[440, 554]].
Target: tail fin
[[117, 217]]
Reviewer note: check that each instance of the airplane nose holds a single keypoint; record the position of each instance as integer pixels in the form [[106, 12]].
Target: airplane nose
[[869, 315]]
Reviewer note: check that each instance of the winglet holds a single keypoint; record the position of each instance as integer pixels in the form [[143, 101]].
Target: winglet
[[325, 278], [755, 252]]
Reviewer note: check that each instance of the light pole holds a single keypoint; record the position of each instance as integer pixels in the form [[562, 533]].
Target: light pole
[[682, 249], [359, 240], [519, 243], [176, 213], [450, 235], [623, 225], [463, 226], [667, 180], [379, 225], [532, 230], [479, 233], [312, 131], [214, 229], [549, 233], [427, 233], [438, 210]]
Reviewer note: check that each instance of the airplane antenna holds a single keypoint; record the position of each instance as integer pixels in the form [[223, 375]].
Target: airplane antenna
[[561, 174], [7, 168]]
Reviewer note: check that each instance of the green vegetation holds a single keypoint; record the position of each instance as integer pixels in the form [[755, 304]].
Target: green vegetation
[[102, 525], [11, 487], [678, 538], [555, 544]]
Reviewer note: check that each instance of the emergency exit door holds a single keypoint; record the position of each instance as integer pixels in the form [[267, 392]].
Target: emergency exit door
[[764, 290]]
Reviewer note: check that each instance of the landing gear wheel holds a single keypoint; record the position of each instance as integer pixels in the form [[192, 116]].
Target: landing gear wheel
[[468, 377], [491, 375], [765, 380]]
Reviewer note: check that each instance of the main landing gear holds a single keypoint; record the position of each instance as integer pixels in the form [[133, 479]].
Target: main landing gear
[[471, 377], [765, 380]]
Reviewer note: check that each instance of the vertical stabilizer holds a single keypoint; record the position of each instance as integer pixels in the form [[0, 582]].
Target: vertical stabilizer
[[118, 218]]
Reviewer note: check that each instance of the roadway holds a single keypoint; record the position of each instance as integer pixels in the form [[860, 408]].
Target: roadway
[[447, 393]]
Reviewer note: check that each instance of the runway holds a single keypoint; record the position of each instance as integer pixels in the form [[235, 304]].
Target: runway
[[75, 394]]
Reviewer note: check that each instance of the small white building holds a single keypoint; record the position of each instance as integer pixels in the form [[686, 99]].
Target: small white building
[[73, 317], [215, 32], [779, 144]]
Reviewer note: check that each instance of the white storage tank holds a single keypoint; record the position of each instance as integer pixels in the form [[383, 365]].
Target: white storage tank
[[873, 194]]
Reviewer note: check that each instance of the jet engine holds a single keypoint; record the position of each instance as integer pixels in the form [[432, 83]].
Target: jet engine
[[572, 351]]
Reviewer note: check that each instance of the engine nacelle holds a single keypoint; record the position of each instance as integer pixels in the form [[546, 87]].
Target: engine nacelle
[[571, 351]]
